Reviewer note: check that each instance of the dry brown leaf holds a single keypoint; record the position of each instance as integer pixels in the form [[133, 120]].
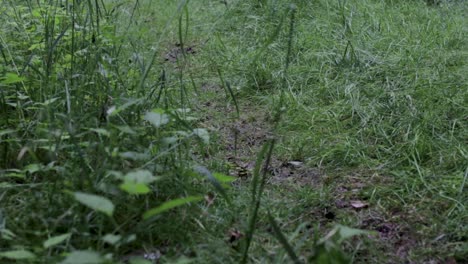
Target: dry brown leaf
[[234, 235], [296, 163], [209, 199]]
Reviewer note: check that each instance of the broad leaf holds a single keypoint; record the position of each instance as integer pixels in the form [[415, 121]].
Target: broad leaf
[[113, 110], [17, 254], [83, 257], [11, 78], [170, 204], [135, 188], [348, 232], [140, 176], [223, 177], [202, 134], [112, 239], [95, 202], [156, 119], [32, 168], [55, 240]]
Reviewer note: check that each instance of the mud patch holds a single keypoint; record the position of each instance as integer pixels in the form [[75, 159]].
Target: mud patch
[[295, 172], [242, 138], [175, 53], [394, 230], [397, 236]]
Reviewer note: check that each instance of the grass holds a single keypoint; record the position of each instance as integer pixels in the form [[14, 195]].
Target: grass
[[133, 130]]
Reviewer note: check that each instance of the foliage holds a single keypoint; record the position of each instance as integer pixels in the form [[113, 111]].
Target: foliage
[[111, 144]]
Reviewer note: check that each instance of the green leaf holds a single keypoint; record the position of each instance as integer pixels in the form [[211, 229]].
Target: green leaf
[[182, 260], [134, 155], [55, 240], [95, 202], [11, 78], [202, 134], [167, 141], [16, 175], [135, 188], [50, 101], [5, 185], [112, 239], [282, 239], [130, 238], [83, 257], [101, 131], [17, 254], [116, 174], [170, 204], [348, 232], [32, 168], [113, 110], [223, 177], [6, 131], [126, 129], [7, 234], [140, 176], [139, 260], [156, 119]]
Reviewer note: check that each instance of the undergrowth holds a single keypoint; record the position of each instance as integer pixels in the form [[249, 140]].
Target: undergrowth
[[114, 148]]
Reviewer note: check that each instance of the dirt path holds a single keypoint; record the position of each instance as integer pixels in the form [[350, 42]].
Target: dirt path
[[240, 140]]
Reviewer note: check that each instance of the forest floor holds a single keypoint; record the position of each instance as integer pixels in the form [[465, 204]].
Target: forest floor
[[319, 196], [109, 127]]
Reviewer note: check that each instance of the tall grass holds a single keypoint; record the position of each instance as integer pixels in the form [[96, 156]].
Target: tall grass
[[374, 87], [85, 153], [106, 151]]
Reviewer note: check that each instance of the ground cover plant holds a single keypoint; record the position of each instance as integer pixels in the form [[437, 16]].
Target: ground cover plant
[[260, 131]]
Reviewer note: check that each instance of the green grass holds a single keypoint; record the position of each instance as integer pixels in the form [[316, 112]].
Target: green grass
[[97, 97]]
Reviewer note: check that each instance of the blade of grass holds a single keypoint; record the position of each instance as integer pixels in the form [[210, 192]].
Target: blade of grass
[[257, 191], [169, 205], [156, 51], [227, 87], [205, 172], [283, 240]]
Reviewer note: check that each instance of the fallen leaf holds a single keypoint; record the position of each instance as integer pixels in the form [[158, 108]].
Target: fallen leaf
[[234, 235], [209, 199], [359, 204], [295, 163]]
